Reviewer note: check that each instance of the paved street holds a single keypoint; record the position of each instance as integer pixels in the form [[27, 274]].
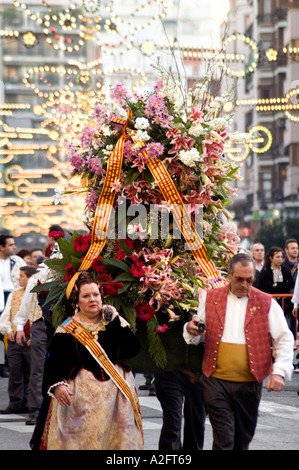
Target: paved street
[[278, 425]]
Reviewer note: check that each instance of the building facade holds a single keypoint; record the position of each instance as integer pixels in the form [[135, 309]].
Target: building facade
[[268, 99]]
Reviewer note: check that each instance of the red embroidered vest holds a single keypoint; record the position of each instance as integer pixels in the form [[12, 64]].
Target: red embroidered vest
[[256, 331]]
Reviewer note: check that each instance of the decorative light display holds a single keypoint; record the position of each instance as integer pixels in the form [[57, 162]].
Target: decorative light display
[[98, 18], [276, 104], [68, 108], [253, 57], [29, 39], [259, 141], [29, 207]]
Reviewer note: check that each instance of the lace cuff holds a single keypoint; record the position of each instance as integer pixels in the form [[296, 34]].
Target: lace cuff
[[50, 393]]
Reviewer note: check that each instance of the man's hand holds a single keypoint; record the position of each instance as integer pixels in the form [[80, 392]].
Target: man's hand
[[192, 327], [21, 336], [295, 312], [275, 383]]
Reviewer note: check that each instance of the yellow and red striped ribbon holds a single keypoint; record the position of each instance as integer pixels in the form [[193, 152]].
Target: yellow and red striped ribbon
[[104, 205], [95, 349], [182, 218], [171, 195]]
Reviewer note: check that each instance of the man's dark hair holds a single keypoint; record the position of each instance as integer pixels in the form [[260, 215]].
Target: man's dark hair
[[3, 239], [242, 258], [288, 241]]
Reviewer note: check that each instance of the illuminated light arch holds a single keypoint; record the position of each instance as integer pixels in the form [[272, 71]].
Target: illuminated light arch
[[259, 141], [275, 104], [254, 55], [92, 20]]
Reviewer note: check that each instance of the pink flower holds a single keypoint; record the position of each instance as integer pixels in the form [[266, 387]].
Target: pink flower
[[179, 141], [154, 150], [119, 94], [77, 161], [87, 136], [132, 192], [95, 166], [91, 200], [162, 329]]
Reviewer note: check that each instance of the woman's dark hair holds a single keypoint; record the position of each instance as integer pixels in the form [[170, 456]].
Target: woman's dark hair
[[23, 252], [270, 254], [28, 270]]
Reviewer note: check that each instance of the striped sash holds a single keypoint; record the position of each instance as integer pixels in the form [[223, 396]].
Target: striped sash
[[98, 353]]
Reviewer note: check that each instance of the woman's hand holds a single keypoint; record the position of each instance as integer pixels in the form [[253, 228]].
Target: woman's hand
[[63, 395]]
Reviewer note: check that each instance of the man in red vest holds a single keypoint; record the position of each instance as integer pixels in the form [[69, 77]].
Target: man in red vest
[[242, 324]]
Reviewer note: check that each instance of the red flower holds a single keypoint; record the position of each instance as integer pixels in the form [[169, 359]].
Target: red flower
[[105, 278], [144, 311], [69, 272], [98, 266], [56, 235], [112, 288], [81, 243], [120, 254], [137, 269]]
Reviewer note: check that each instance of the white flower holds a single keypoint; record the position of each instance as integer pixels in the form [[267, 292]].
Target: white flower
[[239, 137], [141, 123], [141, 136], [58, 197], [190, 157], [218, 123], [196, 130]]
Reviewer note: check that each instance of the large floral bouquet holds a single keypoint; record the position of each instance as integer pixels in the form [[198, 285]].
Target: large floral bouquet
[[152, 281]]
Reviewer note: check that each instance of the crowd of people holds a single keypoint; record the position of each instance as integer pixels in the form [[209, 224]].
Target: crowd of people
[[76, 384]]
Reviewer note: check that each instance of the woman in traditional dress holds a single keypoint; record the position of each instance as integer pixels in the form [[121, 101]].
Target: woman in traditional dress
[[93, 400]]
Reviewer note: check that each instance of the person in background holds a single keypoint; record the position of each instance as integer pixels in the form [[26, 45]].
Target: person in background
[[291, 251], [246, 340], [33, 309], [26, 255], [9, 265], [18, 356], [36, 255], [9, 272], [277, 279], [258, 255]]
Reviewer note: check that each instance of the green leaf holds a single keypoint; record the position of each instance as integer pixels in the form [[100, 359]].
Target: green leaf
[[124, 246], [156, 349], [116, 263], [130, 315], [56, 264], [46, 286], [132, 175], [76, 262], [125, 277], [126, 285]]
